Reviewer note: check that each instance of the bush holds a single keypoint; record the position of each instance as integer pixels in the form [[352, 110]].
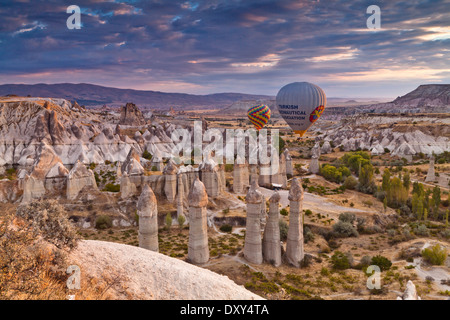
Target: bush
[[103, 222], [350, 183], [284, 212], [382, 262], [168, 220], [48, 219], [349, 217], [181, 220], [283, 230], [422, 230], [340, 261], [147, 155], [308, 235], [226, 228], [154, 168], [308, 212], [435, 255], [344, 229], [110, 187]]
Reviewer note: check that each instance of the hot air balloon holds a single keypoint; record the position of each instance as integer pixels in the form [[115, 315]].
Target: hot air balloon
[[259, 115], [301, 104]]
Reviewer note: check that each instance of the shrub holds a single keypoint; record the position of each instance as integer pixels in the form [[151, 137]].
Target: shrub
[[308, 235], [308, 212], [421, 230], [340, 261], [147, 155], [284, 212], [103, 222], [181, 220], [110, 187], [344, 229], [229, 167], [168, 220], [154, 168], [382, 262], [347, 217], [226, 228], [49, 220], [350, 183], [435, 255], [283, 230]]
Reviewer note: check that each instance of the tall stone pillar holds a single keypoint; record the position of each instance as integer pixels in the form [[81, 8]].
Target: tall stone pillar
[[294, 243], [271, 239], [180, 195], [127, 188], [253, 243], [170, 184], [265, 176], [198, 251], [289, 166], [147, 210], [431, 176]]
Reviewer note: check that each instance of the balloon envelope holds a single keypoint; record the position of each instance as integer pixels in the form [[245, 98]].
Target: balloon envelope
[[301, 104], [259, 115]]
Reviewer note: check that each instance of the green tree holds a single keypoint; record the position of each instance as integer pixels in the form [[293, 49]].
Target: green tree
[[435, 255], [436, 198], [407, 181], [385, 185], [168, 220]]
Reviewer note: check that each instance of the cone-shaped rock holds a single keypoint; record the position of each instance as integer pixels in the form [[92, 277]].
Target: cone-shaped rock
[[198, 251], [253, 243], [294, 243], [147, 209], [271, 239]]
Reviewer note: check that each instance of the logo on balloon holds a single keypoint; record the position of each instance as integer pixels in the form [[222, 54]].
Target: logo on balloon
[[317, 112]]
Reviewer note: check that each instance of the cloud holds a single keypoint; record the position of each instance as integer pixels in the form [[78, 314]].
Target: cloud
[[255, 46]]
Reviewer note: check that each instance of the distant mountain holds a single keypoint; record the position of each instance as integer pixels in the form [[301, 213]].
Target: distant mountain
[[94, 96], [429, 98]]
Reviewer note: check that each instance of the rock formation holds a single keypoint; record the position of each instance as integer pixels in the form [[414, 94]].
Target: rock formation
[[410, 292], [289, 166], [147, 211], [180, 196], [253, 243], [326, 147], [127, 188], [198, 251], [271, 240], [314, 165], [78, 178], [265, 176], [431, 175], [240, 176], [170, 183], [294, 243], [209, 175], [48, 175], [131, 115]]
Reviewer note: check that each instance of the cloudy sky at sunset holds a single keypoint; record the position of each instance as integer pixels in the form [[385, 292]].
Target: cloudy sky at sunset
[[248, 46]]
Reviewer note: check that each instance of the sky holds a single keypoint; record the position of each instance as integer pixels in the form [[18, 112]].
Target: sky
[[247, 46]]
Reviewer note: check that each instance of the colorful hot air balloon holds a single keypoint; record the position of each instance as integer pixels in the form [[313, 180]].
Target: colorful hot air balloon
[[301, 104], [259, 115]]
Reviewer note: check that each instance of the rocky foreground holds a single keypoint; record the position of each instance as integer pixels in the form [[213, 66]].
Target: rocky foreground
[[153, 276]]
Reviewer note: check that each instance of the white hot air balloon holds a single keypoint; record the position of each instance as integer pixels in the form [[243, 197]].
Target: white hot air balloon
[[301, 104]]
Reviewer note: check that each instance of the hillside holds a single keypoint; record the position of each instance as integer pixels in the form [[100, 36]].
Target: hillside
[[93, 96]]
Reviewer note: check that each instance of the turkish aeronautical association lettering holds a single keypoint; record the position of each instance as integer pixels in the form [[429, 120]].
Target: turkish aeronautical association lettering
[[290, 111]]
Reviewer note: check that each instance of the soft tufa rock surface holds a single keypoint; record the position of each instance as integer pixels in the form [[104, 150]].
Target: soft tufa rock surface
[[252, 242], [78, 178], [294, 243], [197, 196], [198, 251], [410, 292], [132, 164], [147, 210], [431, 175], [170, 185], [127, 188], [131, 115], [271, 240]]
